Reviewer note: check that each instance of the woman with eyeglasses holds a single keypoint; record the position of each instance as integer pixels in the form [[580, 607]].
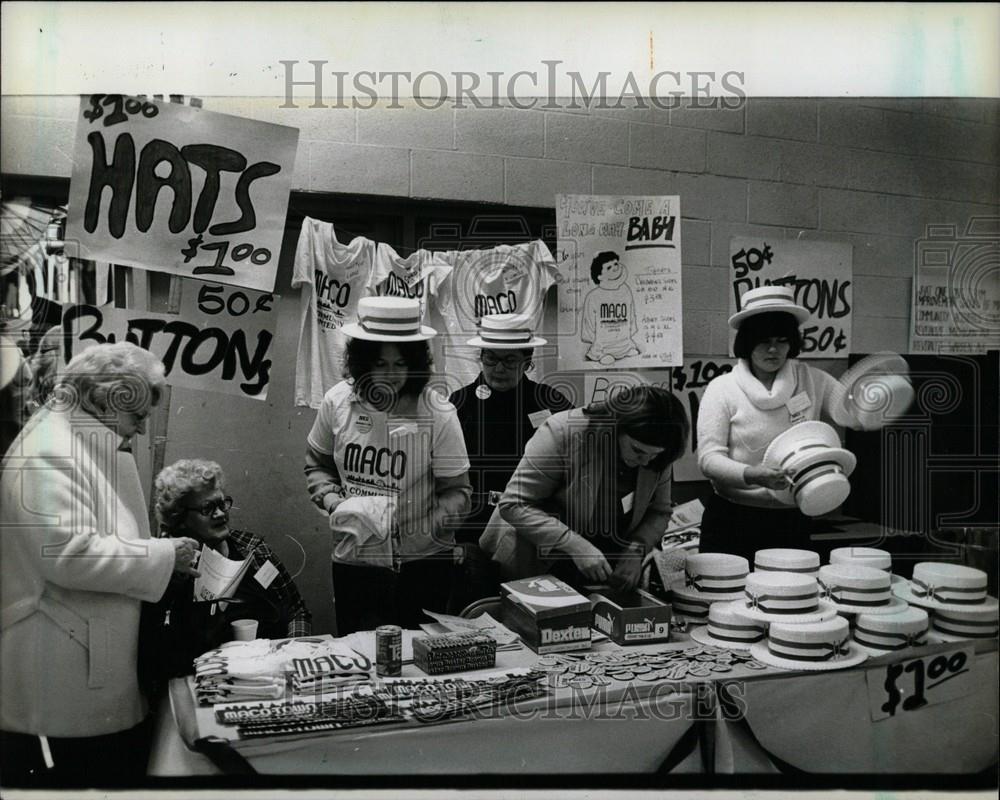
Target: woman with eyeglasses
[[191, 502], [77, 562], [499, 412]]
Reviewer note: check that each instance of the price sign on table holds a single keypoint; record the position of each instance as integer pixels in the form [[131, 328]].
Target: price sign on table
[[908, 686]]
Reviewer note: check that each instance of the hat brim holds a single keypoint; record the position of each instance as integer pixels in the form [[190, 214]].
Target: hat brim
[[812, 428], [355, 331], [894, 606], [845, 458], [884, 363], [855, 655], [936, 637], [800, 313], [477, 341], [702, 636], [904, 591], [874, 652], [825, 610]]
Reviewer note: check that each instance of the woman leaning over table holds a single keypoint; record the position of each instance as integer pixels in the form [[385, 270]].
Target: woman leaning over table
[[742, 412], [384, 438], [77, 560], [592, 494]]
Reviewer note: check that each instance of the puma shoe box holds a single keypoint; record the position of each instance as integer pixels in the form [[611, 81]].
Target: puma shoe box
[[548, 615], [630, 617]]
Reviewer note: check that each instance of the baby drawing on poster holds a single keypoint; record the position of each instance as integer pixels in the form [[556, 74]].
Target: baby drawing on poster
[[608, 321]]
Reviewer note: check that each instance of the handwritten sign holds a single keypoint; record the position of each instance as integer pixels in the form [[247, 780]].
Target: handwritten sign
[[908, 686], [954, 312], [820, 274], [688, 382], [220, 342], [168, 187], [619, 261]]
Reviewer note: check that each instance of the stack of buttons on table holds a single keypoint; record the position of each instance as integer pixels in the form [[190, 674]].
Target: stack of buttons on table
[[454, 652]]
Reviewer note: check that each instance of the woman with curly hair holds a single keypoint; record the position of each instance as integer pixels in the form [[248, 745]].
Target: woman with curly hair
[[386, 461], [191, 501], [78, 561]]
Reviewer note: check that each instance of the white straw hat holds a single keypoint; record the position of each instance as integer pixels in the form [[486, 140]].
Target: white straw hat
[[505, 332], [812, 646], [817, 465], [765, 299], [388, 319]]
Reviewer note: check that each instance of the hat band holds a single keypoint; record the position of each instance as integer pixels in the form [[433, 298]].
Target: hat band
[[683, 605], [766, 568], [834, 649], [836, 593], [818, 471], [695, 582], [755, 601], [932, 592], [798, 450], [742, 639], [990, 634], [505, 337], [390, 326], [714, 627], [903, 639]]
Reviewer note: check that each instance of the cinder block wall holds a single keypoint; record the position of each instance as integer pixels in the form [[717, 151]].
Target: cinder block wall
[[871, 172]]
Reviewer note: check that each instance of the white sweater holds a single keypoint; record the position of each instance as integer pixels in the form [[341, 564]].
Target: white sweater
[[738, 418]]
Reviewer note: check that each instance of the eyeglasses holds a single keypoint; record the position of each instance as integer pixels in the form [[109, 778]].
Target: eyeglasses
[[208, 509], [509, 362]]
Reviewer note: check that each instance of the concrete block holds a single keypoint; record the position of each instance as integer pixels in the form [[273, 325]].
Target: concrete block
[[743, 156], [730, 120], [630, 181], [536, 182], [504, 131], [696, 241], [877, 333], [876, 295], [696, 330], [889, 173], [909, 216], [973, 109], [705, 288], [663, 147], [360, 168], [852, 211], [319, 124], [943, 137], [792, 118], [574, 137], [783, 204], [712, 197], [37, 146], [958, 180], [456, 176], [873, 254], [842, 122], [409, 126], [814, 164]]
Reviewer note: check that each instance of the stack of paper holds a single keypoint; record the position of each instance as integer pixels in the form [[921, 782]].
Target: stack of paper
[[505, 638], [219, 576]]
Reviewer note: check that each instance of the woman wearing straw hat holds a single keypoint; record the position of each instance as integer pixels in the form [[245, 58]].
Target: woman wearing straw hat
[[383, 433], [740, 414], [499, 412]]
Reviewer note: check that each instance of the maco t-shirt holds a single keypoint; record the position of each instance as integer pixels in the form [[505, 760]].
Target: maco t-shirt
[[394, 455]]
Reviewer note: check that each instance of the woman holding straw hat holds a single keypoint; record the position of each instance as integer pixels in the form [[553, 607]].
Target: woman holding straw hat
[[387, 450], [743, 411]]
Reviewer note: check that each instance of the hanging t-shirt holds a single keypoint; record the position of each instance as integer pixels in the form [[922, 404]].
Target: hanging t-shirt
[[332, 276], [396, 456], [507, 279], [416, 277]]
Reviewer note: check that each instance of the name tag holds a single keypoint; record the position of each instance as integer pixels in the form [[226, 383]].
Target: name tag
[[539, 417], [797, 405], [628, 501], [266, 574]]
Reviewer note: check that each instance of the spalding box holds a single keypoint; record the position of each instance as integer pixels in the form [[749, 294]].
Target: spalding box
[[549, 615], [630, 617]]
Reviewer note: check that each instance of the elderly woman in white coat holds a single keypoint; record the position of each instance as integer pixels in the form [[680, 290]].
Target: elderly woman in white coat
[[77, 560]]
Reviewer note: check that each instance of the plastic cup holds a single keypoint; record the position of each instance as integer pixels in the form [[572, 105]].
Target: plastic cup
[[244, 630]]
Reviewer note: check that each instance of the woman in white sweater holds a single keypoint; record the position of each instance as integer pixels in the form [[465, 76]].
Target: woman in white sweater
[[744, 410]]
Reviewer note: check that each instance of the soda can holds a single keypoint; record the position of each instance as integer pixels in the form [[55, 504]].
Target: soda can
[[388, 651]]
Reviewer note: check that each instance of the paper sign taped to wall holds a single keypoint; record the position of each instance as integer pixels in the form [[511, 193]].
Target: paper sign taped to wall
[[168, 187]]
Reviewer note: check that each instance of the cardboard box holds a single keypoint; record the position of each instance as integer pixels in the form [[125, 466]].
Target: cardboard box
[[630, 618], [549, 615]]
